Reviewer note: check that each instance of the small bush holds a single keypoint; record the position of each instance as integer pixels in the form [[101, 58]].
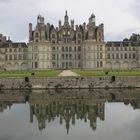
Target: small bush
[[26, 79], [32, 73], [113, 78], [58, 86], [106, 73]]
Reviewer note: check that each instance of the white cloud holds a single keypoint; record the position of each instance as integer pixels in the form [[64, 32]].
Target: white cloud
[[120, 17]]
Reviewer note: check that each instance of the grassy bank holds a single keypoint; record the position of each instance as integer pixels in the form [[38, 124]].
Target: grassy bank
[[108, 73], [47, 73]]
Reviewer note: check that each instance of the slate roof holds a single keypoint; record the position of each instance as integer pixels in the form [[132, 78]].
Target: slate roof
[[121, 43], [13, 44]]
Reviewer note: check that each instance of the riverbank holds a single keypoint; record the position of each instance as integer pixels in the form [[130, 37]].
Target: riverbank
[[77, 82]]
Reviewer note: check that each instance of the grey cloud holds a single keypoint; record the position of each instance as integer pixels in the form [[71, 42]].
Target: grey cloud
[[5, 1], [16, 15]]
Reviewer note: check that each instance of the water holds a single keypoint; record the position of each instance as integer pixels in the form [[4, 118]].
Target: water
[[70, 115]]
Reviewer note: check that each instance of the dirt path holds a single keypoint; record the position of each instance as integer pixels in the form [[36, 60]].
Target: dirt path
[[68, 73]]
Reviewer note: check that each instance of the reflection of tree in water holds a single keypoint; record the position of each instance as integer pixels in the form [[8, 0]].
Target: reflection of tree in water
[[68, 105]]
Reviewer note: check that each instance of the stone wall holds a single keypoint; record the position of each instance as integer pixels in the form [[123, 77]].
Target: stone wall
[[69, 82]]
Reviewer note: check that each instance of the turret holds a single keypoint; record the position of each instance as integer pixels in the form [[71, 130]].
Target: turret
[[30, 32], [92, 19], [59, 23], [72, 24], [91, 27], [40, 20]]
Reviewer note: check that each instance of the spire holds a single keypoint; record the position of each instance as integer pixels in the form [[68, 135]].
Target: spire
[[66, 18]]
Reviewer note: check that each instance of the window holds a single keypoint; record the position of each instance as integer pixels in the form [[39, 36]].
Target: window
[[117, 56], [121, 56], [62, 56], [112, 56], [53, 35], [79, 48], [53, 57], [53, 48], [53, 63], [108, 48], [70, 49], [63, 64], [79, 56], [125, 49], [6, 57], [10, 50], [97, 64], [134, 56], [20, 49], [66, 56], [24, 56], [70, 56], [117, 49], [75, 48], [36, 35], [62, 49], [70, 64], [36, 64], [79, 35], [100, 47], [53, 41], [66, 49], [112, 48], [133, 48], [20, 57], [15, 57], [108, 55], [97, 56], [101, 64], [101, 56], [129, 56], [10, 57], [79, 41], [125, 55]]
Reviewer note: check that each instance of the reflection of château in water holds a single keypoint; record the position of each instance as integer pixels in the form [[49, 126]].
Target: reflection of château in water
[[68, 105]]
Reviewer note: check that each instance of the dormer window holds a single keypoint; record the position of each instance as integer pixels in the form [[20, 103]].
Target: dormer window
[[53, 41], [79, 35], [53, 35]]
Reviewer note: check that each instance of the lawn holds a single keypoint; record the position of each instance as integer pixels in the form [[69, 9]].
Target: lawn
[[47, 73], [110, 72]]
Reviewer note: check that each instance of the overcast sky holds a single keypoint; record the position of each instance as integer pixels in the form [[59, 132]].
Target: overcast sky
[[121, 18]]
